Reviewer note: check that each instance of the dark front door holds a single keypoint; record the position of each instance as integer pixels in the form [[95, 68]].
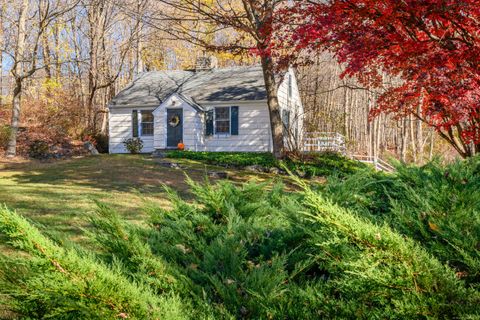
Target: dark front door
[[174, 127]]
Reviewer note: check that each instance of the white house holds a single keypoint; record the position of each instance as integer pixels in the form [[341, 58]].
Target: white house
[[207, 110]]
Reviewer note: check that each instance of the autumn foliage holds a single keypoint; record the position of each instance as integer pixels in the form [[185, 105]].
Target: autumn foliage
[[430, 48]]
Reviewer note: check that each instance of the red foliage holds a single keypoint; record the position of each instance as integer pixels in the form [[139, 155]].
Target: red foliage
[[433, 46]]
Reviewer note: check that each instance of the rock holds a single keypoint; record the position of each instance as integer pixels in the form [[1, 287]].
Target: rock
[[255, 168], [169, 165], [218, 174], [274, 170], [165, 164], [175, 166], [91, 148]]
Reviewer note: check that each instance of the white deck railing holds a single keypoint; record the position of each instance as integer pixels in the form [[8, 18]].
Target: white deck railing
[[323, 142], [335, 142], [379, 164]]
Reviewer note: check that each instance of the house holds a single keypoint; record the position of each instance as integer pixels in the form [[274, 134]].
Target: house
[[208, 109]]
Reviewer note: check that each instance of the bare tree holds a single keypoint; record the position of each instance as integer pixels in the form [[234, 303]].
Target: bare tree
[[342, 105], [29, 20]]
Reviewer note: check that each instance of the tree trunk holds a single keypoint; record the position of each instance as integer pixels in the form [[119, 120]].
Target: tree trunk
[[432, 143], [17, 71], [404, 134], [273, 107], [16, 107], [412, 139]]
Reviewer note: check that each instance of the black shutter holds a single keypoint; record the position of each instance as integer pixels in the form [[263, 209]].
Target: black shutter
[[134, 123], [234, 121], [209, 123]]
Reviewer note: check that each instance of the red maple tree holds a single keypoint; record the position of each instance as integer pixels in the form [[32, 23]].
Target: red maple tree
[[432, 46]]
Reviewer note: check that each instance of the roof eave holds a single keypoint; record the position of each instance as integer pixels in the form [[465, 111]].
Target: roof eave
[[200, 103]]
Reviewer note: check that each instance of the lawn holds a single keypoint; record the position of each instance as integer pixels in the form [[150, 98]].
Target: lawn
[[58, 194]]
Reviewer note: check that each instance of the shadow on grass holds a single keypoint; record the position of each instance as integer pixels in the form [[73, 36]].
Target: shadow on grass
[[58, 194], [107, 173]]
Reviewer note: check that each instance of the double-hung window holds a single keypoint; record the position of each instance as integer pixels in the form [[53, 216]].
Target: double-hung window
[[142, 123], [147, 123], [222, 120]]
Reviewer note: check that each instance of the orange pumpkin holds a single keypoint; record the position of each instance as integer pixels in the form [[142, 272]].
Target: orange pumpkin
[[180, 146]]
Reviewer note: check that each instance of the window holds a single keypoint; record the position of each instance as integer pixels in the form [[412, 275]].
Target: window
[[290, 84], [222, 120], [286, 119], [147, 123]]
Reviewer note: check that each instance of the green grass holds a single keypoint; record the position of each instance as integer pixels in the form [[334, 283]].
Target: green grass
[[58, 194]]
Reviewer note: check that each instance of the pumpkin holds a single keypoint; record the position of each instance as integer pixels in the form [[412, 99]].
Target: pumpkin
[[180, 146]]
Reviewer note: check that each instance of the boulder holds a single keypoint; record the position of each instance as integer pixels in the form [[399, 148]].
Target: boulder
[[255, 168], [91, 148], [274, 170], [218, 174], [175, 166]]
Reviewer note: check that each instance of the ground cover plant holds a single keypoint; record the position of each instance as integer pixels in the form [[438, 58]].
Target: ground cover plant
[[436, 205], [307, 166], [254, 252]]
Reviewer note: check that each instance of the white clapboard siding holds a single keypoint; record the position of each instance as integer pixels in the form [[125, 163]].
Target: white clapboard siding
[[192, 124], [291, 102], [120, 128], [253, 131]]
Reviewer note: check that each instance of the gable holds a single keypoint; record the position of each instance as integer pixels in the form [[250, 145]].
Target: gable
[[177, 100]]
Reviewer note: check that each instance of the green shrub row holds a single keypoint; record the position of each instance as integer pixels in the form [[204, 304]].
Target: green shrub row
[[438, 206], [313, 165]]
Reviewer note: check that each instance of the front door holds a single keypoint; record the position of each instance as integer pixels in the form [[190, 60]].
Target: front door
[[174, 127]]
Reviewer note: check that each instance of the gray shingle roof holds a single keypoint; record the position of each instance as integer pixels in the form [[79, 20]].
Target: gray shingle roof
[[229, 84]]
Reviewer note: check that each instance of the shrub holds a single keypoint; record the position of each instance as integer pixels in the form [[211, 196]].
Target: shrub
[[5, 132], [230, 159], [133, 145], [435, 205], [54, 282], [245, 251], [325, 164], [315, 165], [38, 149]]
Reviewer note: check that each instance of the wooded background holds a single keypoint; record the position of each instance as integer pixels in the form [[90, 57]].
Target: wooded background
[[67, 58]]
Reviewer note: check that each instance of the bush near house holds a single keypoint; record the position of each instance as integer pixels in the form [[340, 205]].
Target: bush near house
[[133, 145], [309, 166], [4, 136], [229, 159], [252, 252]]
